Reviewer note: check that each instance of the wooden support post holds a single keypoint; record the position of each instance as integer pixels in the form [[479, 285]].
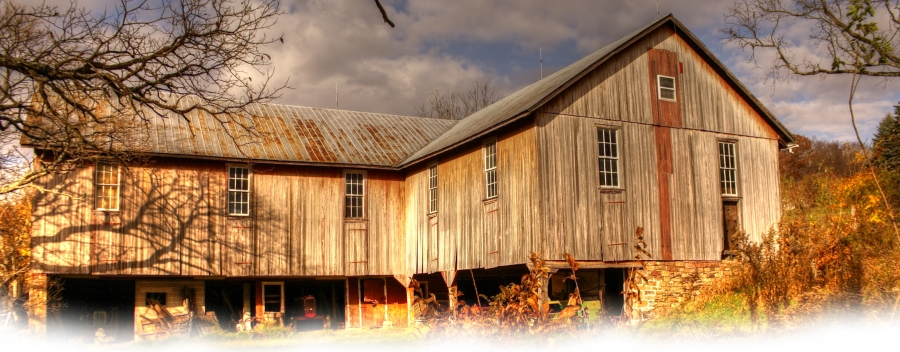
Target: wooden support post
[[410, 314], [545, 291], [37, 303], [246, 307], [452, 293]]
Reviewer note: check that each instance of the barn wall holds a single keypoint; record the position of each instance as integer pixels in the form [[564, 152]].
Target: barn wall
[[669, 158], [172, 221], [468, 231], [620, 90]]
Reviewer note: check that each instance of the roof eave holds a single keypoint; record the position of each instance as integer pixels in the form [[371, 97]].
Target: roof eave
[[785, 137]]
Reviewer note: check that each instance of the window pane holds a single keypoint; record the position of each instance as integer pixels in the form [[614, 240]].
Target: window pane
[[432, 188], [728, 168], [238, 191], [667, 93], [490, 169], [667, 82], [353, 201], [608, 157], [106, 186]]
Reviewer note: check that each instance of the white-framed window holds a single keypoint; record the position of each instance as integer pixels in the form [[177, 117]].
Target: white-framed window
[[490, 168], [354, 194], [273, 297], [608, 154], [106, 186], [238, 190], [432, 189], [728, 168], [666, 87]]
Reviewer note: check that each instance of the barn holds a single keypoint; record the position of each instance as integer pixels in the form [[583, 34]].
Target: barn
[[345, 208]]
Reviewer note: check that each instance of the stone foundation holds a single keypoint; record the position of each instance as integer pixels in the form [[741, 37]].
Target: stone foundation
[[670, 283]]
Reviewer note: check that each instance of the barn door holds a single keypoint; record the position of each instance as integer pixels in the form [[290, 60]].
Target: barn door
[[106, 243], [491, 235], [238, 248], [356, 248], [373, 303], [433, 245], [615, 239], [731, 224]]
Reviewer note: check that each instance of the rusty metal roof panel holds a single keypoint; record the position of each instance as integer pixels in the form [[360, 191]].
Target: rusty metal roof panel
[[285, 133]]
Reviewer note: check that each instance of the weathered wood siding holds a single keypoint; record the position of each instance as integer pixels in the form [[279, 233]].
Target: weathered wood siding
[[468, 231], [679, 169], [620, 90], [172, 221], [576, 209]]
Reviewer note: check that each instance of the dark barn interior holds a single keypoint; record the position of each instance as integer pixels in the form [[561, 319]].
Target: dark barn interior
[[88, 305], [330, 303]]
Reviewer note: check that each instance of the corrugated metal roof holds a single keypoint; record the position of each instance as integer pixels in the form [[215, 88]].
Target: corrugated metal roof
[[316, 135], [531, 97], [295, 134]]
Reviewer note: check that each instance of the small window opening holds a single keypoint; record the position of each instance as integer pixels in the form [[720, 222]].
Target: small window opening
[[728, 169], [106, 185], [238, 191], [273, 298], [432, 189], [152, 298], [490, 169], [608, 144], [666, 86], [354, 196]]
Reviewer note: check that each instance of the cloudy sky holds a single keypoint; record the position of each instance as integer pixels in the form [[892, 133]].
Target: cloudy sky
[[449, 45]]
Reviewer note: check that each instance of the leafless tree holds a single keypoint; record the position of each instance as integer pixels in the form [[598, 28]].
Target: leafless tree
[[458, 106], [74, 83], [853, 37]]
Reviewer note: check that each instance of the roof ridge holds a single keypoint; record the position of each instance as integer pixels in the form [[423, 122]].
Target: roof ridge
[[524, 99]]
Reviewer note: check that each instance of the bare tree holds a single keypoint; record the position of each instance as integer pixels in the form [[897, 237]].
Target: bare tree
[[853, 37], [77, 85], [458, 106]]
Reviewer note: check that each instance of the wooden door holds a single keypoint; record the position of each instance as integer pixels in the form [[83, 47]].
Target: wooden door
[[106, 243], [731, 224], [434, 245], [356, 247], [373, 303], [238, 248], [615, 240], [491, 235]]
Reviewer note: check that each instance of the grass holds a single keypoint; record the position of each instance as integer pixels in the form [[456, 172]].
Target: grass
[[721, 315]]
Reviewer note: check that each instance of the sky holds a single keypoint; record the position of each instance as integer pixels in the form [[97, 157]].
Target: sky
[[449, 45]]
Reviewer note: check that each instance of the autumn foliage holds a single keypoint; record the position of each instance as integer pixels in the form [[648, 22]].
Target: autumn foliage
[[15, 253], [834, 250]]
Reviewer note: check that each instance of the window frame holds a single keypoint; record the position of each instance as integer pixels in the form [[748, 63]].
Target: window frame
[[97, 185], [618, 158], [720, 157], [490, 170], [363, 195], [280, 285], [432, 179], [659, 88], [228, 189]]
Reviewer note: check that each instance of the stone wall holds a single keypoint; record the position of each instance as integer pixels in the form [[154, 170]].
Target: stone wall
[[671, 283]]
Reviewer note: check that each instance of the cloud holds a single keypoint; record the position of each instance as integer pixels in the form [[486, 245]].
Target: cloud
[[448, 45]]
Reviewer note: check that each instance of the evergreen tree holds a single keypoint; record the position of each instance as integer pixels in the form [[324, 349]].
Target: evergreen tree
[[886, 145]]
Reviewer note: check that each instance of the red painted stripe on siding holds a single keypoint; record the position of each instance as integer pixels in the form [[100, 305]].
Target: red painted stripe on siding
[[664, 161], [666, 114]]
